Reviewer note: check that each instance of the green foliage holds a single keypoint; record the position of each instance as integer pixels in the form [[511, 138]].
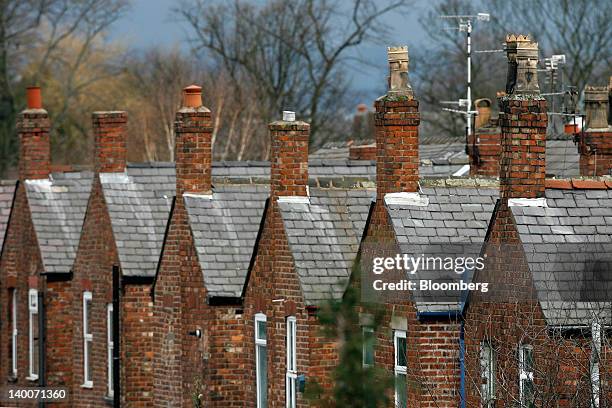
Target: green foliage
[[355, 386]]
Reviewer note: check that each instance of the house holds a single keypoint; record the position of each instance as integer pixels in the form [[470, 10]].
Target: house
[[39, 248], [418, 341], [537, 337], [119, 247], [306, 245]]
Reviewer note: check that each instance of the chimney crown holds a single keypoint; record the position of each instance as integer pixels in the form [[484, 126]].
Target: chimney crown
[[399, 84], [522, 55]]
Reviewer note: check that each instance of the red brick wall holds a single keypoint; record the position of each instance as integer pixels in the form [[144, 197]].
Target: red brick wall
[[523, 160], [397, 145], [595, 153], [274, 277], [193, 131], [93, 271], [289, 158], [137, 345], [20, 261], [183, 364], [110, 148], [60, 320], [484, 150], [34, 144]]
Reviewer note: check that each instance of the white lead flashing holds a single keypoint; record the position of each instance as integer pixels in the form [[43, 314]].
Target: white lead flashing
[[404, 198], [114, 178], [462, 171], [208, 196], [294, 199], [527, 202]]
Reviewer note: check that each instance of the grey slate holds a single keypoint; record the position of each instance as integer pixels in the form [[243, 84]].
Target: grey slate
[[324, 237], [224, 230], [58, 206], [433, 230], [139, 205], [570, 258]]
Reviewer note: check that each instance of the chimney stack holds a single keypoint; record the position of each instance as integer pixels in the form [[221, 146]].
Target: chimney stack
[[193, 144], [397, 130], [484, 145], [289, 157], [523, 121], [110, 141], [35, 146], [596, 142]]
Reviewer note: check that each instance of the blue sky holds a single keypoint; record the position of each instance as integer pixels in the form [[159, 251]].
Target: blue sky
[[151, 22]]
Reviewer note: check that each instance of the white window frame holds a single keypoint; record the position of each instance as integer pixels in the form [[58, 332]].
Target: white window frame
[[87, 338], [398, 369], [596, 340], [110, 347], [14, 332], [32, 322], [291, 375], [524, 375], [488, 362], [259, 344], [365, 331]]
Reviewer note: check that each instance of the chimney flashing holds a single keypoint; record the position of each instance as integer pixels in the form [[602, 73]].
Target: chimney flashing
[[407, 199], [528, 202]]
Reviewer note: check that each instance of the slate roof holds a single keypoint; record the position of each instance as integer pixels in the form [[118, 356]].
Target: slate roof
[[139, 204], [568, 246], [7, 190], [58, 206], [562, 158], [455, 220], [324, 237], [224, 228]]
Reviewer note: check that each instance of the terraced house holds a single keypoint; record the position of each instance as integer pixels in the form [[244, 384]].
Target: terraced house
[[38, 251], [199, 283], [538, 338]]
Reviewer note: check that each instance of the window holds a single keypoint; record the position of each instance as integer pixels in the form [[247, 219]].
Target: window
[[110, 346], [526, 384], [594, 364], [261, 360], [291, 376], [87, 340], [14, 332], [401, 362], [368, 346], [33, 334], [488, 361]]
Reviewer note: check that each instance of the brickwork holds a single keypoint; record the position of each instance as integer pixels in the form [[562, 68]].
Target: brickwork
[[363, 152], [397, 154], [193, 132], [110, 142], [484, 150], [34, 144], [289, 154], [523, 171], [596, 152]]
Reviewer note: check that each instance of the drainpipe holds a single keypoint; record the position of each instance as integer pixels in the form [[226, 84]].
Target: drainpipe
[[42, 335], [462, 364], [116, 339]]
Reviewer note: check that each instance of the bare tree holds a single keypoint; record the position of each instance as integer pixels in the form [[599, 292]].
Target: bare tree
[[290, 55], [34, 35], [579, 29]]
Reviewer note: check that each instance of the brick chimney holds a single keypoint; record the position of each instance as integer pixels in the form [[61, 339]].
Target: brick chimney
[[193, 149], [110, 138], [523, 121], [484, 145], [34, 143], [397, 130], [363, 123], [596, 142], [362, 152], [289, 157]]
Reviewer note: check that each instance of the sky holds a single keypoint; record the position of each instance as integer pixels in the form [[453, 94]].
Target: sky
[[151, 22]]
